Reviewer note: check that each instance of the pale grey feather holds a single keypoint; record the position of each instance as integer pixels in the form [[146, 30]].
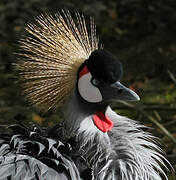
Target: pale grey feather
[[30, 155], [127, 152]]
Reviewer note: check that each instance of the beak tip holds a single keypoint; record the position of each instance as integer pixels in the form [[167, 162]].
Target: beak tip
[[134, 96], [138, 98]]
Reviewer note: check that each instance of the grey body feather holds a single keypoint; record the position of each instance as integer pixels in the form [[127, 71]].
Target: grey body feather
[[31, 155], [126, 152]]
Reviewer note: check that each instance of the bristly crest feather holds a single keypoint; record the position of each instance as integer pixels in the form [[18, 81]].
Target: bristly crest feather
[[52, 53]]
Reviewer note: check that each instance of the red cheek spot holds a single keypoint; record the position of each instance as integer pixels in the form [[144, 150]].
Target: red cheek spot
[[84, 71], [102, 122]]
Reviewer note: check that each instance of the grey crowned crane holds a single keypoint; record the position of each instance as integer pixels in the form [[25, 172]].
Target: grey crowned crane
[[62, 64]]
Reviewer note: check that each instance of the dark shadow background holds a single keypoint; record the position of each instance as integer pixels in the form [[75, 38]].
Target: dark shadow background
[[140, 33]]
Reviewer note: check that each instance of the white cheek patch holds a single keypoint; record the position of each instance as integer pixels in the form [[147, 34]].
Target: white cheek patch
[[87, 91]]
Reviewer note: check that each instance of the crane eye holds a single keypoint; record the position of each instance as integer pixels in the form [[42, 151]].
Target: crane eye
[[95, 82]]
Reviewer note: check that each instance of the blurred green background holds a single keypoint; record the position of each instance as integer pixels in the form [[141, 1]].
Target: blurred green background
[[140, 33]]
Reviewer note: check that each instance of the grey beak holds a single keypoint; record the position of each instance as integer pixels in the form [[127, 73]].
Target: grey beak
[[124, 93]]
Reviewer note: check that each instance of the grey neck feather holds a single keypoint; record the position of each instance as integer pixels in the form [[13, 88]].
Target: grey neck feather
[[124, 153], [76, 110]]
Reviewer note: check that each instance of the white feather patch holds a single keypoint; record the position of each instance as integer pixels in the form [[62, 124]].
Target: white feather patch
[[87, 91]]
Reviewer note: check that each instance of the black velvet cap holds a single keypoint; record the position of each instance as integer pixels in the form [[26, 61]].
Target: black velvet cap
[[104, 66]]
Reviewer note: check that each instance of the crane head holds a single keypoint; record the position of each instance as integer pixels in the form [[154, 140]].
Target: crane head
[[99, 79]]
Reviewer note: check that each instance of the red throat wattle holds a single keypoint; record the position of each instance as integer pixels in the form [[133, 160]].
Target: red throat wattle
[[102, 122]]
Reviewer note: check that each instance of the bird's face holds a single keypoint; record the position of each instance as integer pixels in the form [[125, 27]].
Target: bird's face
[[99, 80]]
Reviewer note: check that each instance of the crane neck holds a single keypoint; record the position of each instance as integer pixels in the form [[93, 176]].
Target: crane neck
[[76, 110]]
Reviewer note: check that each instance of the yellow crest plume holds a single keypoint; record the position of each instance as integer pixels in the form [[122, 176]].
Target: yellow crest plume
[[53, 51]]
